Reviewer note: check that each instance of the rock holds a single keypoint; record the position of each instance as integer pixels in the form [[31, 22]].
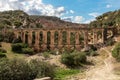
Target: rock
[[45, 78]]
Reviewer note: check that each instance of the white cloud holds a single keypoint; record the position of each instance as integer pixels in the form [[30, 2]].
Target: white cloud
[[71, 11], [32, 7], [108, 6], [94, 14], [78, 19], [88, 21], [13, 0], [69, 19], [74, 19]]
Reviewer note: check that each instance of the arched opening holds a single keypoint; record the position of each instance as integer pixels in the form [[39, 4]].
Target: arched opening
[[19, 36], [33, 38], [41, 38], [26, 37], [81, 39], [72, 38], [48, 40], [99, 36], [56, 38], [64, 37]]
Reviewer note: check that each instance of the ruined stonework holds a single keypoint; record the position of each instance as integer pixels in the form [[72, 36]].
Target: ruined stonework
[[90, 35]]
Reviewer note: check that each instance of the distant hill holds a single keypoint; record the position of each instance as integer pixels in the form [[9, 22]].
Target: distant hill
[[20, 19], [108, 19], [11, 19]]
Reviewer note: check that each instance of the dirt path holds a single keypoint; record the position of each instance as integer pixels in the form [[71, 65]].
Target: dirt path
[[103, 72]]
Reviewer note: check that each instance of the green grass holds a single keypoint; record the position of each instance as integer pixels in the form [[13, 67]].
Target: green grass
[[46, 55], [62, 73], [10, 54]]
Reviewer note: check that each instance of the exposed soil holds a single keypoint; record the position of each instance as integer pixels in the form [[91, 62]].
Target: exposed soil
[[103, 72]]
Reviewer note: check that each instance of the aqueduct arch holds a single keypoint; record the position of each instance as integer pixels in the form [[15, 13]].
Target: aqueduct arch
[[92, 35]]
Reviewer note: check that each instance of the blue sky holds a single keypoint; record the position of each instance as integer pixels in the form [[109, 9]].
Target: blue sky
[[77, 11]]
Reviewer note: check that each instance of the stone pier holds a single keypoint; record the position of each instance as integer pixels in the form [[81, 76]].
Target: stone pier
[[94, 31]]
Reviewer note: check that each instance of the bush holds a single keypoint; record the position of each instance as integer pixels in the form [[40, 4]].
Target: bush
[[9, 36], [46, 55], [74, 59], [2, 55], [22, 48], [110, 42], [116, 52], [19, 69], [18, 47], [1, 37], [0, 45], [17, 40], [27, 51], [91, 53], [15, 69], [3, 50], [92, 47], [42, 69]]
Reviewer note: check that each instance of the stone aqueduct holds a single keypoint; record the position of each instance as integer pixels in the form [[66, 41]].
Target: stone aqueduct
[[90, 36]]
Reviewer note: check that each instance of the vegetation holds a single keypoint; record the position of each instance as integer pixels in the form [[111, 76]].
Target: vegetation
[[46, 55], [7, 37], [74, 59], [60, 74], [2, 52], [107, 20], [92, 51], [19, 69], [109, 42], [22, 48], [27, 51], [2, 55], [1, 37], [17, 19], [116, 52]]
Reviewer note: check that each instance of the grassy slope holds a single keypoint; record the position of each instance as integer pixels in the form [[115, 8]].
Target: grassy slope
[[10, 54]]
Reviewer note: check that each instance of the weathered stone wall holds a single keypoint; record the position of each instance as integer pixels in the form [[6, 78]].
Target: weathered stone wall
[[94, 34]]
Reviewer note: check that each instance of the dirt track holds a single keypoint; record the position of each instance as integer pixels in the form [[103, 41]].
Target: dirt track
[[103, 72]]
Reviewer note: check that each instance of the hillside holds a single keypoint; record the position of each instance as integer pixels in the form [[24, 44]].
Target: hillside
[[51, 21], [18, 19], [108, 19], [13, 18]]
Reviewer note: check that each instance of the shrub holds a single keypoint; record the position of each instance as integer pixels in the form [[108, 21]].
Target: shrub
[[0, 45], [73, 59], [17, 40], [92, 47], [54, 52], [46, 55], [19, 69], [2, 55], [116, 52], [18, 47], [3, 50], [9, 36], [28, 51], [91, 53], [110, 42], [15, 69], [42, 69], [1, 37]]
